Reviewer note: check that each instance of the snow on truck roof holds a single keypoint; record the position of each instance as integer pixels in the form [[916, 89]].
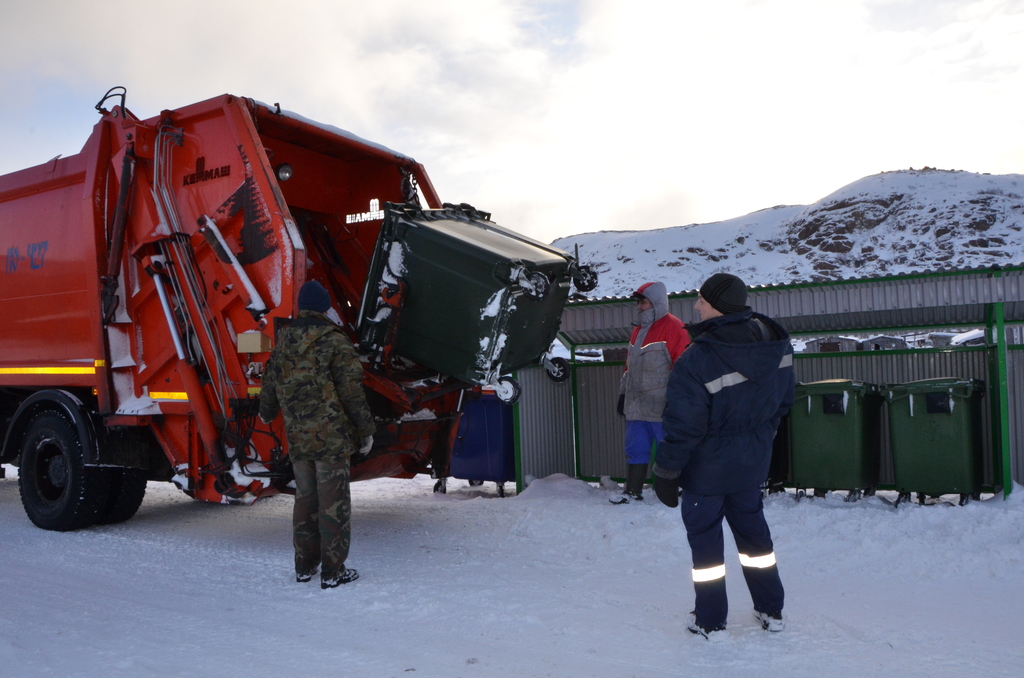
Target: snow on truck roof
[[277, 110]]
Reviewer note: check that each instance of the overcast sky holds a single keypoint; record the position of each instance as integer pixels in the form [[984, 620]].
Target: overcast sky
[[558, 117]]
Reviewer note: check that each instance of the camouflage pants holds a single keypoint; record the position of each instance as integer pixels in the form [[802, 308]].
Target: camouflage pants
[[322, 517]]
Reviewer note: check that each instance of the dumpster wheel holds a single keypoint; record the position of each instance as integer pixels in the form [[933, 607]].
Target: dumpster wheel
[[557, 369], [535, 285], [507, 389], [586, 278]]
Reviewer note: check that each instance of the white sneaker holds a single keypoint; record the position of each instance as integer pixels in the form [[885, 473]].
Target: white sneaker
[[772, 623]]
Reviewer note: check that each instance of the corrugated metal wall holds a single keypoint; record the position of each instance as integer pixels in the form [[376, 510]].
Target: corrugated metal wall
[[601, 429], [884, 367], [924, 301], [545, 425], [890, 303]]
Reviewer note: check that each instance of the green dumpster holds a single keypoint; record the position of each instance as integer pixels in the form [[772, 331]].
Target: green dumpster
[[455, 293], [835, 438], [936, 435]]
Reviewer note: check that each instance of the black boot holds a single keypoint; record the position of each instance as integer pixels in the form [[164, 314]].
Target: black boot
[[635, 481], [636, 475]]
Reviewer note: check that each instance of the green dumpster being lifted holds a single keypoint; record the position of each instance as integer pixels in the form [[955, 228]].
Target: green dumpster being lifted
[[835, 438], [936, 435], [456, 293]]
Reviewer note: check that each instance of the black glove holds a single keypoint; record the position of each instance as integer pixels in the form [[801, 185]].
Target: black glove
[[621, 407], [667, 490]]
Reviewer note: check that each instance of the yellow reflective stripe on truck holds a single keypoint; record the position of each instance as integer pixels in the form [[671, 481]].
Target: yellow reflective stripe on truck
[[167, 395], [47, 370]]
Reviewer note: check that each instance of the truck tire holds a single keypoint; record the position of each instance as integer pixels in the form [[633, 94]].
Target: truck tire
[[127, 489], [59, 492]]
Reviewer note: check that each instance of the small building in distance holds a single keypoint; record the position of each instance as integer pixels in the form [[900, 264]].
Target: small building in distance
[[883, 342], [831, 344]]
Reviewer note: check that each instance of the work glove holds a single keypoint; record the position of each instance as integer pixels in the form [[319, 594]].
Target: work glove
[[366, 445], [667, 490], [621, 407]]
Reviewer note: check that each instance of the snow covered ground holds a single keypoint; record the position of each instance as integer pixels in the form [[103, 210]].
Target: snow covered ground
[[553, 582]]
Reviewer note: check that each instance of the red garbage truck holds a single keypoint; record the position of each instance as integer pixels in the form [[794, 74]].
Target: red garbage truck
[[146, 277]]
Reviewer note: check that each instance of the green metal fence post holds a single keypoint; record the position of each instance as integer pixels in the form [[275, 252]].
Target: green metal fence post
[[575, 413], [1003, 395]]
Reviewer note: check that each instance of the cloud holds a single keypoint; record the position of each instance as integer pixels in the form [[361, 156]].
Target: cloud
[[559, 117]]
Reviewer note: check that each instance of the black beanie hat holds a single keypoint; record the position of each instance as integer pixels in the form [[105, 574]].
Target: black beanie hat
[[726, 293], [314, 297]]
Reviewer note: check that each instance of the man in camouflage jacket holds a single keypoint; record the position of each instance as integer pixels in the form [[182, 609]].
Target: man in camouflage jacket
[[314, 379]]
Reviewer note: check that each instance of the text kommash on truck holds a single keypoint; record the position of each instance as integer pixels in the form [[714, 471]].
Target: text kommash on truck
[[145, 279]]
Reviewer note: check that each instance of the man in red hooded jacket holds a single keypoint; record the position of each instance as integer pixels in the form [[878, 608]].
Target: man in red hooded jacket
[[658, 339]]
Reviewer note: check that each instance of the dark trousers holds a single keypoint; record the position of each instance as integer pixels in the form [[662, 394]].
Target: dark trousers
[[322, 516], [702, 516]]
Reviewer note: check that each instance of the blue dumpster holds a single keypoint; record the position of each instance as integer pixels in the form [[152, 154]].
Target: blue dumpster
[[485, 447]]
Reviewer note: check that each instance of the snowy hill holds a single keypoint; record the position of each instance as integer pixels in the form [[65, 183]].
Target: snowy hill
[[896, 222]]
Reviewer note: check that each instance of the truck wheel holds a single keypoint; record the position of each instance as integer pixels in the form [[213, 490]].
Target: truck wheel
[[127, 489], [59, 492]]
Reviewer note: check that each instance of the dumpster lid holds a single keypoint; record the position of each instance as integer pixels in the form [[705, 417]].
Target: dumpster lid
[[834, 386], [474, 228], [954, 385]]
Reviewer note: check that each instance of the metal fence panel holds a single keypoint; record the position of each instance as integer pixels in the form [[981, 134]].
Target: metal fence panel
[[544, 425], [601, 430]]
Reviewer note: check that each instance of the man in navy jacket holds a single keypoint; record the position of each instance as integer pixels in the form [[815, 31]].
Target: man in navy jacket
[[726, 396]]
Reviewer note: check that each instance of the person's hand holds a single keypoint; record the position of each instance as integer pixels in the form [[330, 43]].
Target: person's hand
[[667, 490], [366, 445], [621, 406]]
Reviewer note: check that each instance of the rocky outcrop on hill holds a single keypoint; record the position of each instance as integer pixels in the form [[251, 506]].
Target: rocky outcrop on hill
[[886, 224]]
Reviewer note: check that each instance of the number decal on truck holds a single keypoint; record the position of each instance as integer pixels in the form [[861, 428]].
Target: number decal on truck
[[36, 256], [36, 252]]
